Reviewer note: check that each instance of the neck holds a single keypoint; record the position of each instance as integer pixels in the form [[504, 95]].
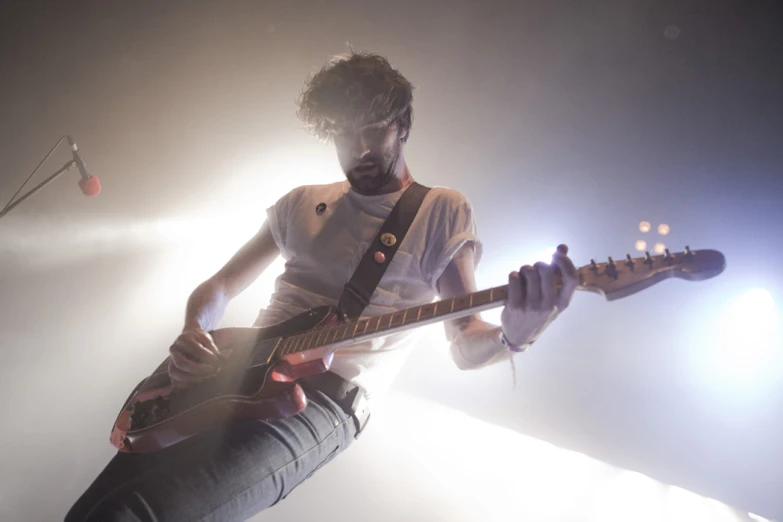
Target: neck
[[366, 328], [400, 181]]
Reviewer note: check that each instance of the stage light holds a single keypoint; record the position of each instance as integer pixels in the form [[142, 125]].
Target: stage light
[[663, 229], [196, 245], [741, 356], [641, 245], [659, 248], [644, 226]]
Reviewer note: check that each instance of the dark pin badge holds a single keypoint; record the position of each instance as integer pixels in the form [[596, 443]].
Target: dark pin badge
[[388, 239], [320, 208]]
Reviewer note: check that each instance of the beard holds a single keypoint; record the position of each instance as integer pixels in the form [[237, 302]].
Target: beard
[[382, 171]]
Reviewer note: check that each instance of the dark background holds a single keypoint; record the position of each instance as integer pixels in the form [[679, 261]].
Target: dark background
[[561, 121]]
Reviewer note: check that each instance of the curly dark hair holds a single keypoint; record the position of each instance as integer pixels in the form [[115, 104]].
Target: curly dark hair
[[357, 86]]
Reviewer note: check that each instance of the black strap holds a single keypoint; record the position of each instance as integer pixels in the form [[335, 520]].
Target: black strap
[[358, 291]]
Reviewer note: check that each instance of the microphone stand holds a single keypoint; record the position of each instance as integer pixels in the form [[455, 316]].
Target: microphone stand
[[38, 187], [12, 204]]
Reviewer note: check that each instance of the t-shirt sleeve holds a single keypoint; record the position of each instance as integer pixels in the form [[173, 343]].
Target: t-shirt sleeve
[[457, 227], [278, 216]]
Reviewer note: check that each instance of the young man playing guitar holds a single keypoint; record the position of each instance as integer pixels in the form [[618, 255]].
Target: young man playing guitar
[[364, 107]]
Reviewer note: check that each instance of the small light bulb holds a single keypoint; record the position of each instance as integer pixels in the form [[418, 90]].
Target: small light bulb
[[641, 245], [644, 226]]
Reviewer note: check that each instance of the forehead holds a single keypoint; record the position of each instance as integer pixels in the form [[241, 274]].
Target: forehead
[[356, 126]]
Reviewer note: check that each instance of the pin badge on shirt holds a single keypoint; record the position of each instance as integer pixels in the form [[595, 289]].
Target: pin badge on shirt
[[388, 239], [320, 208]]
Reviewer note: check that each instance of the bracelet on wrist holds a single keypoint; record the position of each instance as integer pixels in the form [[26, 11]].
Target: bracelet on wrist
[[513, 347]]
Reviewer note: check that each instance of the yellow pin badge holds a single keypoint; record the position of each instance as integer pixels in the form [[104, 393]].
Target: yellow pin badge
[[388, 239]]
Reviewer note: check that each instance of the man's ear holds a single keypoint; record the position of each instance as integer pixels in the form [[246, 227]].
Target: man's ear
[[404, 135]]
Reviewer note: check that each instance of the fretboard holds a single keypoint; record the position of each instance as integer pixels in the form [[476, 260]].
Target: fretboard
[[379, 325]]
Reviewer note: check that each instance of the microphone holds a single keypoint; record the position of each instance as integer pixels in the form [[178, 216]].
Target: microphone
[[89, 184]]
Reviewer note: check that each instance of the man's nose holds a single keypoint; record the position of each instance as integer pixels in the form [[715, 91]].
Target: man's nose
[[360, 147]]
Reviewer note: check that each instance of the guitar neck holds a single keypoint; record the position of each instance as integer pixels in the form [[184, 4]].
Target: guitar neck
[[379, 325], [613, 280]]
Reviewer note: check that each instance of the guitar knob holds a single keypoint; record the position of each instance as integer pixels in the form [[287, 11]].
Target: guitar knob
[[647, 259]]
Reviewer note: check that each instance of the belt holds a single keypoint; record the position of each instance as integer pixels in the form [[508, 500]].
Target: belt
[[348, 396]]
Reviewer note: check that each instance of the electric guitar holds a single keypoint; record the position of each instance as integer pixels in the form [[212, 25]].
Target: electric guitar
[[258, 378]]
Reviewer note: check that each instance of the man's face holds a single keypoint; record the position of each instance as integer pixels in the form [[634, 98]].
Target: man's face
[[369, 154]]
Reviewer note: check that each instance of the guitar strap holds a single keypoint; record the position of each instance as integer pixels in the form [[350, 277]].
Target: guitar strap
[[358, 291]]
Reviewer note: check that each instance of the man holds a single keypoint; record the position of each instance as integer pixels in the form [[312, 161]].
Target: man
[[364, 106]]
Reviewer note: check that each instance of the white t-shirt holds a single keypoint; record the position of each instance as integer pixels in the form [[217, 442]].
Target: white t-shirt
[[322, 251]]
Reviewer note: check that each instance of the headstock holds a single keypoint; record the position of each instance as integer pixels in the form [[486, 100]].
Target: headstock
[[621, 278]]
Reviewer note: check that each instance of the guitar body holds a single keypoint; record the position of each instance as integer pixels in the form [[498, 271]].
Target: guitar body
[[252, 383]]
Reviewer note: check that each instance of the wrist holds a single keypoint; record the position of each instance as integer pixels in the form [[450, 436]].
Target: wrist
[[192, 325], [516, 348]]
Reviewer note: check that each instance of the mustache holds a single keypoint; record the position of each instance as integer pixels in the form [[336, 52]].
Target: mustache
[[365, 162]]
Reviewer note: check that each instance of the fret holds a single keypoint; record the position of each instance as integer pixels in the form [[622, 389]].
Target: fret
[[335, 330], [418, 315], [345, 331], [325, 338], [339, 331], [395, 320], [298, 343], [451, 308], [380, 327], [355, 327], [366, 324], [404, 315], [307, 342], [310, 340], [491, 291], [440, 308], [293, 343], [319, 337], [286, 348]]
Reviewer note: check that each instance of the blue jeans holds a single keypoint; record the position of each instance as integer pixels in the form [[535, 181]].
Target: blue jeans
[[225, 474]]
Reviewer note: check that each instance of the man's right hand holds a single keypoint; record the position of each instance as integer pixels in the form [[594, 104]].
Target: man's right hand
[[194, 356]]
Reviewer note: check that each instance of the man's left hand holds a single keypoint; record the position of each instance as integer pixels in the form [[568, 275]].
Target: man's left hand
[[536, 295]]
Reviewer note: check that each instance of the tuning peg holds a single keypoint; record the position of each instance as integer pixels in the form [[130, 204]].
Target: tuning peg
[[593, 266], [628, 261], [688, 252], [611, 268], [647, 259]]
